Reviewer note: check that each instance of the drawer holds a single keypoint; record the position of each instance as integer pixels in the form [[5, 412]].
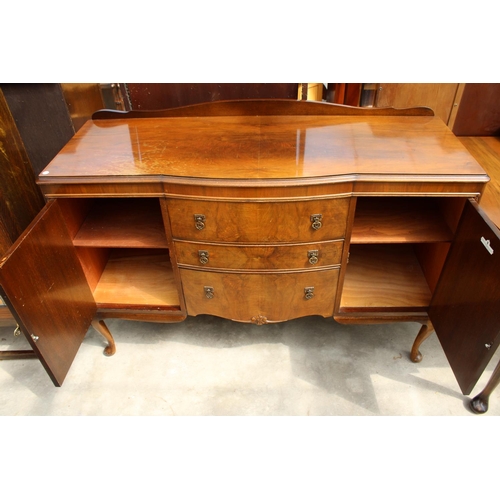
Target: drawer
[[287, 222], [260, 297], [259, 256]]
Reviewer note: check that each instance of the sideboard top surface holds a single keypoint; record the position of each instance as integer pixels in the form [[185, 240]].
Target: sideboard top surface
[[265, 148]]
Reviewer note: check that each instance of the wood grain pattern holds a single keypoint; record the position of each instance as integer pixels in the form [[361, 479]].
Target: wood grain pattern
[[47, 292], [259, 256], [465, 306], [384, 277], [260, 297], [263, 147], [258, 222], [398, 220], [133, 279], [263, 107], [486, 150], [123, 223]]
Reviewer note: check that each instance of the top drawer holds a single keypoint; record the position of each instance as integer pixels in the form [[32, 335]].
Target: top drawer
[[294, 221]]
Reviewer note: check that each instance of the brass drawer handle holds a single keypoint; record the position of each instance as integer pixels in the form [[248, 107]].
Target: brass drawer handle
[[203, 256], [309, 292], [199, 221], [209, 292], [312, 255], [316, 221]]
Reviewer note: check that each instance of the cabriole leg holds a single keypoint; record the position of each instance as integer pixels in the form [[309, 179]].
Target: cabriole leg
[[101, 327], [425, 331], [480, 403]]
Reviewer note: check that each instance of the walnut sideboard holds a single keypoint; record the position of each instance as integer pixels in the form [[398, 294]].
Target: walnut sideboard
[[260, 211]]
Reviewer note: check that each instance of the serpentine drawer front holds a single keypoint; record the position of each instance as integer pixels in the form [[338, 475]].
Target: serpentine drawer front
[[294, 221], [261, 297], [294, 256]]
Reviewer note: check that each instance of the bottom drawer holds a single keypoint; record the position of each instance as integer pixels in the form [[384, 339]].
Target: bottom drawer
[[260, 297]]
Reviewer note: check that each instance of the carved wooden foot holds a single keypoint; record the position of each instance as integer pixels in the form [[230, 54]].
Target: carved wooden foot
[[480, 403], [101, 327], [425, 331]]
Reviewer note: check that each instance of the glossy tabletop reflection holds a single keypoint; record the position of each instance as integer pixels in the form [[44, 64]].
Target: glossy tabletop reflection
[[263, 147]]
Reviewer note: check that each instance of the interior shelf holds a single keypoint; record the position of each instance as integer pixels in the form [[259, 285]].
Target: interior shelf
[[399, 220], [123, 223], [384, 278], [141, 279]]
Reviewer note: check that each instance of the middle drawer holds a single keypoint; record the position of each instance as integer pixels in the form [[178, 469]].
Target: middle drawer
[[294, 256]]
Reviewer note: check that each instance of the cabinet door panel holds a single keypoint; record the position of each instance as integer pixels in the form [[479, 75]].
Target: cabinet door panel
[[465, 307], [43, 282]]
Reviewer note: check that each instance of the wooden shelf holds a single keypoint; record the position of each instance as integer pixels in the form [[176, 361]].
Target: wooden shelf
[[137, 279], [123, 223], [384, 278], [399, 220]]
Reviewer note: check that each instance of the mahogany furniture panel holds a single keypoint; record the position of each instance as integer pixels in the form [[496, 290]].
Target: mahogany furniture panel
[[259, 256], [464, 309], [42, 281]]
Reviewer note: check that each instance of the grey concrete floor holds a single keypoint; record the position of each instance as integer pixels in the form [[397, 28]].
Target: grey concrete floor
[[211, 366]]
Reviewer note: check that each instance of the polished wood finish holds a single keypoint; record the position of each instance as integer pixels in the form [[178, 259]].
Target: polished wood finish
[[237, 179], [464, 309], [101, 327], [424, 333], [289, 150], [385, 278], [286, 222], [42, 282], [263, 107], [261, 297], [142, 280], [398, 220], [486, 150], [123, 223], [292, 256]]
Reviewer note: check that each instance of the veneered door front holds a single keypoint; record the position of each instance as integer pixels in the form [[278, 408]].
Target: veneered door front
[[42, 281], [465, 308]]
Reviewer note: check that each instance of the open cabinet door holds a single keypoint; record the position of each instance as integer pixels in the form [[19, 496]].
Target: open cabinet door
[[465, 308], [43, 283]]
